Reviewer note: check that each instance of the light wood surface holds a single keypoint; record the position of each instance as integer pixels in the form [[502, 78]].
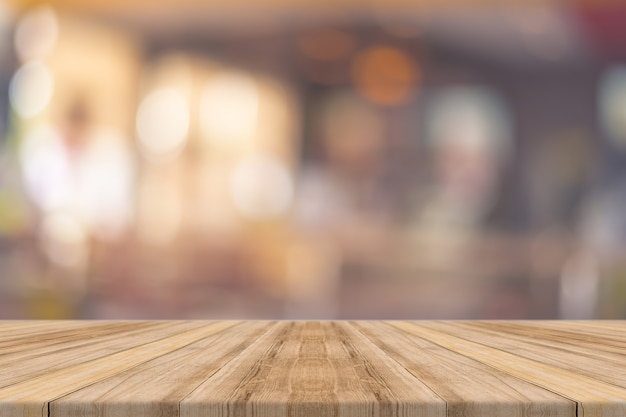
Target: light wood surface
[[312, 368]]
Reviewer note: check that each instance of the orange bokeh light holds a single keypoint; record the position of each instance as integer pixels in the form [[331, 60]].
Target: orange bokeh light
[[385, 75]]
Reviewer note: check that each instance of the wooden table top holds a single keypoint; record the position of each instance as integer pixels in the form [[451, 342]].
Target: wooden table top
[[312, 369]]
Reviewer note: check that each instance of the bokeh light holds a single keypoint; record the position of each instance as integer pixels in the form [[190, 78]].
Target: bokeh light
[[163, 123], [31, 89], [468, 155], [46, 167], [160, 206], [261, 187], [385, 74], [36, 33], [430, 162], [229, 109], [5, 14], [5, 22], [481, 120], [104, 191], [64, 240], [612, 104]]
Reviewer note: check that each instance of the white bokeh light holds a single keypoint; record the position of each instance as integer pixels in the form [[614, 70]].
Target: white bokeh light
[[46, 168], [104, 189], [480, 120], [163, 123], [31, 89], [612, 104], [36, 33], [229, 108], [261, 187]]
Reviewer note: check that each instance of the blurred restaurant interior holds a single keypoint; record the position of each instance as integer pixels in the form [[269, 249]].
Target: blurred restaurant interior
[[312, 160]]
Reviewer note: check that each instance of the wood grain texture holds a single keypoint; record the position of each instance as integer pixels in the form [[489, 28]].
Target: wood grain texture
[[312, 368]]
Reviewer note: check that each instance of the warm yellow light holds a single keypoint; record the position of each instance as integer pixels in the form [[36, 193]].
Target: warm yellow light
[[160, 216], [36, 33], [6, 17], [163, 124], [31, 89], [229, 108], [261, 187], [64, 240]]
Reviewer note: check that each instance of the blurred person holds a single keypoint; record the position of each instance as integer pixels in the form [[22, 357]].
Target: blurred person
[[560, 180], [469, 139], [79, 177], [561, 177], [342, 205], [343, 190], [601, 236]]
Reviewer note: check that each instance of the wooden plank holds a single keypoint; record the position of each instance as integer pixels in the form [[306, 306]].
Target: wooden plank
[[30, 398], [565, 346], [17, 325], [607, 367], [613, 331], [594, 398], [618, 325], [23, 333], [469, 387], [59, 339], [49, 356], [306, 369], [604, 338], [312, 369], [170, 378]]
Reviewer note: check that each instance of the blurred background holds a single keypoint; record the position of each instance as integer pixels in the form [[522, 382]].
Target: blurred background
[[312, 160]]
